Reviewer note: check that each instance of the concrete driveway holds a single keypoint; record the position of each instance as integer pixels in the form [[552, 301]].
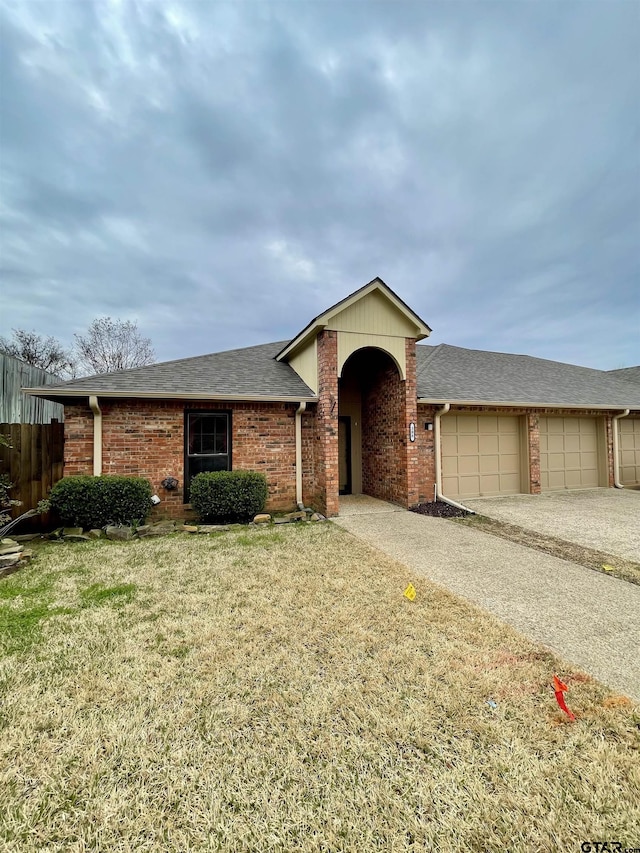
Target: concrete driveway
[[588, 618], [604, 519]]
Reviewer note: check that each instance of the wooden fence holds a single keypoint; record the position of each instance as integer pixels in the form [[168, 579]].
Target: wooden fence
[[33, 463], [19, 408]]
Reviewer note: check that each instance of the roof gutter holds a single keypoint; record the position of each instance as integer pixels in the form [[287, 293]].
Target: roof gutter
[[299, 412], [438, 460], [616, 455], [97, 435], [164, 395], [514, 404]]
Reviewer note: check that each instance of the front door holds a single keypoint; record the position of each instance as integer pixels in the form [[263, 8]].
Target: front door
[[344, 455]]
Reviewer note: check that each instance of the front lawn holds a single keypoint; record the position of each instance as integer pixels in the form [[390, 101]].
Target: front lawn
[[272, 689]]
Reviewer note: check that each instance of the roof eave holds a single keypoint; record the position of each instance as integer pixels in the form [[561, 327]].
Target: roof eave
[[519, 404], [161, 395]]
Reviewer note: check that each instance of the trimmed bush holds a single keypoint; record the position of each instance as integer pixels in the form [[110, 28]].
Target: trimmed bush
[[228, 495], [97, 501]]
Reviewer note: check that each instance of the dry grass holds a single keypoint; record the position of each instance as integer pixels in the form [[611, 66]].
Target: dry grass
[[274, 690]]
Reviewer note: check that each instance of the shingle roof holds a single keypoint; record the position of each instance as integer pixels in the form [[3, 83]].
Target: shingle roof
[[448, 374], [250, 372], [445, 373]]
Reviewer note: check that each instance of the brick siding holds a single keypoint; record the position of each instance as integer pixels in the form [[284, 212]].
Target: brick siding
[[326, 426], [146, 439]]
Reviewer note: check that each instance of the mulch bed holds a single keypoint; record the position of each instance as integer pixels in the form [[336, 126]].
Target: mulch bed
[[439, 509]]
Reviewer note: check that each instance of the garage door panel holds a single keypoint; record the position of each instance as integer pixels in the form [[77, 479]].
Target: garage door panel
[[629, 453], [480, 455], [572, 443], [489, 463], [469, 486], [555, 444], [556, 461], [449, 445], [490, 484], [487, 425], [468, 424], [469, 464], [510, 483], [489, 444], [468, 444], [573, 453], [509, 444], [555, 480]]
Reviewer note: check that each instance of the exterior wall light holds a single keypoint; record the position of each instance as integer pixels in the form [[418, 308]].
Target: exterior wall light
[[428, 425], [169, 483]]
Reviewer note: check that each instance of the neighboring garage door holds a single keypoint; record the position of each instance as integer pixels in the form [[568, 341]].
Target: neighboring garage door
[[629, 451], [568, 453], [480, 455]]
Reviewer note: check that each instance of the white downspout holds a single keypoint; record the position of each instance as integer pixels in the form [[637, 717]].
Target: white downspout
[[97, 436], [616, 458], [436, 441], [301, 408]]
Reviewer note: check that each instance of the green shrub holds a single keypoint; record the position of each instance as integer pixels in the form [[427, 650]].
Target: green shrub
[[228, 495], [97, 501]]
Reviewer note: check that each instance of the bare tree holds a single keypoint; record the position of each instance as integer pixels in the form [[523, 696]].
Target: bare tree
[[40, 351], [112, 345]]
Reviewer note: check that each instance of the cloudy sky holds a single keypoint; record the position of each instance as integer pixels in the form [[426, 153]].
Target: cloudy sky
[[221, 172]]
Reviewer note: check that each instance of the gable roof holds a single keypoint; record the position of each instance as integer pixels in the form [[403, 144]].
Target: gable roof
[[457, 375], [322, 320], [250, 373], [629, 374]]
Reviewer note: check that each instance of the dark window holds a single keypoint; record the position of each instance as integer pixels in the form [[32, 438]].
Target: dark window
[[207, 444]]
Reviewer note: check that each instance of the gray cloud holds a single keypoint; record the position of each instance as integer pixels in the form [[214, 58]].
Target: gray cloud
[[223, 172]]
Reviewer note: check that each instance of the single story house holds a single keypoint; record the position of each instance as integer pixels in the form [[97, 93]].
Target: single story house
[[355, 404]]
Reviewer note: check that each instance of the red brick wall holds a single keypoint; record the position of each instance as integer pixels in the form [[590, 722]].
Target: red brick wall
[[310, 490], [146, 439], [426, 456], [326, 427], [410, 405], [384, 463]]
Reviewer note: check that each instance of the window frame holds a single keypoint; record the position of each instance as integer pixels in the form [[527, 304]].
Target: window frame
[[187, 456]]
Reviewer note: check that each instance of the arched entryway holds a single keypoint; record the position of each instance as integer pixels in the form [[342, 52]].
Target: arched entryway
[[371, 427]]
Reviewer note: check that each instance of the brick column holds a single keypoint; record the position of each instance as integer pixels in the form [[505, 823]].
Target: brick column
[[327, 423], [411, 417], [608, 430], [533, 436]]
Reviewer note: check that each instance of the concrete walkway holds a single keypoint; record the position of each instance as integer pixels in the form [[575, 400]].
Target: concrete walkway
[[588, 618], [604, 519]]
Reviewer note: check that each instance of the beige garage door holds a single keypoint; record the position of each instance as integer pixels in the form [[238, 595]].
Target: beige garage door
[[629, 448], [568, 453], [480, 455]]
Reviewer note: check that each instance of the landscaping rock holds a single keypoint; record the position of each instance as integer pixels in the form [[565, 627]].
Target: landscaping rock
[[213, 528], [72, 537], [10, 549], [282, 520], [68, 532], [262, 518], [7, 560], [190, 528], [8, 541], [95, 533], [118, 534], [317, 516], [27, 537], [296, 516], [160, 528], [27, 554]]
